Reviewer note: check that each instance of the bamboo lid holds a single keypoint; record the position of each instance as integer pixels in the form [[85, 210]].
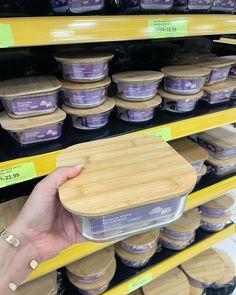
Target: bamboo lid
[[9, 211], [142, 239], [203, 171], [195, 290], [85, 58], [41, 286], [112, 175], [136, 257], [226, 85], [22, 124], [222, 162], [168, 95], [97, 284], [170, 283], [189, 221], [225, 201], [229, 268], [108, 105], [9, 89], [206, 267], [185, 71], [138, 105], [136, 292], [137, 76], [216, 62], [224, 136], [216, 220], [189, 149], [93, 264], [173, 241], [86, 86]]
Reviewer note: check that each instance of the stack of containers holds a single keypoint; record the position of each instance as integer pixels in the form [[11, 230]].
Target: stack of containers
[[84, 89], [181, 233], [137, 250], [221, 144], [136, 91], [232, 73], [216, 213], [31, 113], [92, 274]]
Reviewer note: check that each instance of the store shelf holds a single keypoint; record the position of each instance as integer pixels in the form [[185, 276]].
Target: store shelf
[[170, 126], [32, 31]]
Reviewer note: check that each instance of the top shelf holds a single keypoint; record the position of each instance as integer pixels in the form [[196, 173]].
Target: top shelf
[[52, 30]]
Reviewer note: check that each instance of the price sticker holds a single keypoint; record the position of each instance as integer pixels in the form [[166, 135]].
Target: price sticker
[[160, 28], [164, 133], [17, 173], [6, 36], [140, 282]]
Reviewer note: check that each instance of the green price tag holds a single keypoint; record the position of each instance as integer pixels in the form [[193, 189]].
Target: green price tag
[[6, 36], [17, 173], [160, 28], [140, 282], [164, 133]]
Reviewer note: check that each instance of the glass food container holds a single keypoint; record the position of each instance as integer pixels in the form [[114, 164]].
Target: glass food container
[[227, 6], [174, 244], [192, 5], [221, 167], [77, 6], [214, 224], [146, 5], [201, 173]]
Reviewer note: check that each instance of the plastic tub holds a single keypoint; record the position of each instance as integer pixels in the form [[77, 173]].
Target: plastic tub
[[137, 112], [90, 119], [201, 173], [192, 5], [227, 6], [137, 85], [110, 210], [77, 7], [81, 95], [219, 93], [34, 130], [84, 67], [214, 224], [30, 96], [174, 244], [184, 79]]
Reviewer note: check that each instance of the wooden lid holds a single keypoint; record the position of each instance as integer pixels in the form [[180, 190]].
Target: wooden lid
[[108, 105], [137, 76], [9, 211], [137, 292], [84, 58], [86, 86], [229, 268], [168, 95], [142, 239], [97, 284], [112, 174], [170, 283], [222, 162], [134, 256], [206, 267], [195, 290], [41, 286], [216, 220], [189, 221], [203, 171], [28, 85], [228, 84], [216, 62], [93, 264], [224, 136], [225, 201], [173, 241], [22, 124], [185, 71], [189, 149], [138, 105]]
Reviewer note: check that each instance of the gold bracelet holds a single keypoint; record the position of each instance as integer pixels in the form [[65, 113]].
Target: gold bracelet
[[9, 238]]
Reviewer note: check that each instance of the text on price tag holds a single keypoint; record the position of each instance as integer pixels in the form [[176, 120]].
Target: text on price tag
[[160, 28], [143, 280]]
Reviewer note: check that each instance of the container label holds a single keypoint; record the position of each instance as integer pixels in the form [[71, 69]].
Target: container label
[[163, 133], [140, 282], [160, 28], [6, 36], [17, 173]]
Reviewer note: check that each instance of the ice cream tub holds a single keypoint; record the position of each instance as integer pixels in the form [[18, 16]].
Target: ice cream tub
[[174, 244], [191, 151], [218, 207], [192, 5], [135, 260], [221, 167], [84, 67], [77, 6], [93, 118], [227, 6], [30, 96], [220, 92], [184, 228], [97, 287], [214, 224], [220, 142], [137, 85], [34, 130], [184, 79], [136, 112], [106, 210], [201, 173], [171, 282], [93, 267], [141, 243], [85, 95], [146, 5]]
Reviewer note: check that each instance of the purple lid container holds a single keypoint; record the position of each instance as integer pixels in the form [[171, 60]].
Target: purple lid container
[[77, 6]]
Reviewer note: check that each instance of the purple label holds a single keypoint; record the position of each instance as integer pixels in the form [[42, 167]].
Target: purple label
[[178, 235], [179, 106], [77, 6], [91, 122], [212, 227], [135, 264], [199, 4], [223, 4], [214, 212], [179, 85], [175, 245], [140, 115], [137, 90], [218, 75], [137, 248], [217, 96], [84, 98], [156, 4]]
